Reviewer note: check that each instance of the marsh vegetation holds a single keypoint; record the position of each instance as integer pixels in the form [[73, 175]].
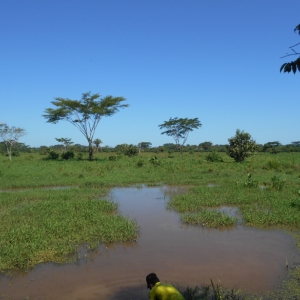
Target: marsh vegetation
[[39, 224]]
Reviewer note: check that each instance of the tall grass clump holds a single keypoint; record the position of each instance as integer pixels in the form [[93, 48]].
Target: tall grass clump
[[211, 292], [207, 218], [213, 157]]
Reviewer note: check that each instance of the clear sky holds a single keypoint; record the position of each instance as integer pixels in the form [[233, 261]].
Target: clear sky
[[211, 59]]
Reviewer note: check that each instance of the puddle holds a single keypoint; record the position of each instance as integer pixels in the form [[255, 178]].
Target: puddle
[[242, 257], [36, 188]]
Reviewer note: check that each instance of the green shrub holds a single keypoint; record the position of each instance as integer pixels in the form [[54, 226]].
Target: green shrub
[[241, 146], [52, 155], [130, 150], [277, 182], [213, 157], [15, 153], [113, 157], [68, 155], [272, 164], [140, 163], [154, 160], [251, 182], [80, 156]]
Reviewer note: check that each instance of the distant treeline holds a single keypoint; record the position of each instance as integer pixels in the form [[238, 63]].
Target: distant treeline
[[270, 147]]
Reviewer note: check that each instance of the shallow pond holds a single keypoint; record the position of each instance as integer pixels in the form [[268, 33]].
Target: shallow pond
[[241, 257]]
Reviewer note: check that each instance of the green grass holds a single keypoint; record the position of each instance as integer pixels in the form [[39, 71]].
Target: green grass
[[48, 225], [208, 218], [212, 292], [39, 224]]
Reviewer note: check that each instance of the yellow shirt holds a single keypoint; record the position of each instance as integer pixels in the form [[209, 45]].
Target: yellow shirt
[[164, 292]]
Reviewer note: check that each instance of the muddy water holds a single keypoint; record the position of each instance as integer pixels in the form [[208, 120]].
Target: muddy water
[[241, 257]]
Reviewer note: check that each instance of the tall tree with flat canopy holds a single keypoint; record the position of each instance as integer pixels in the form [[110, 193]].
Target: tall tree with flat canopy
[[179, 129], [84, 114]]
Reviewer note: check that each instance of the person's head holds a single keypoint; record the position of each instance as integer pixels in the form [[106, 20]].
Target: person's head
[[151, 280]]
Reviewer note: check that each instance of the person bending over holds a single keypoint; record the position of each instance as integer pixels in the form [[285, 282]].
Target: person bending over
[[160, 291]]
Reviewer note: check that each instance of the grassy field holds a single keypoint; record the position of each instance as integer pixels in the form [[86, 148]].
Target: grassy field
[[48, 208]]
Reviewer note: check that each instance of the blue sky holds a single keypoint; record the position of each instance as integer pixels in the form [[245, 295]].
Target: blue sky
[[215, 60]]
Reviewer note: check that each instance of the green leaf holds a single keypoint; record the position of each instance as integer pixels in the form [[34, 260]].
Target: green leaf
[[282, 67]]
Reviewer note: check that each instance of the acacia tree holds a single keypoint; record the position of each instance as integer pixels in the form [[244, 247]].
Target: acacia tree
[[97, 143], [293, 65], [84, 114], [144, 145], [241, 146], [179, 129], [10, 136], [65, 141]]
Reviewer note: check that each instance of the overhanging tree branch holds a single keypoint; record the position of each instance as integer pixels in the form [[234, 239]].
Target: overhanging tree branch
[[293, 65]]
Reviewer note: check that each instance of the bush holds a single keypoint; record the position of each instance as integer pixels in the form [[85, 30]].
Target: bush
[[277, 182], [213, 157], [80, 156], [52, 155], [140, 163], [13, 153], [68, 155], [154, 160], [251, 182], [241, 146], [130, 150], [113, 157], [44, 150], [272, 164]]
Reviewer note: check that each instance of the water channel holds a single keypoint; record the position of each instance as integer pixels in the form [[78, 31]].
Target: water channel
[[240, 257]]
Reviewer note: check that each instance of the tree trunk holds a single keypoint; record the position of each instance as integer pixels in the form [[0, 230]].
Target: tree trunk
[[90, 150], [8, 151], [180, 148]]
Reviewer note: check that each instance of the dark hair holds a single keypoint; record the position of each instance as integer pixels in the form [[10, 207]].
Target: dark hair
[[151, 279]]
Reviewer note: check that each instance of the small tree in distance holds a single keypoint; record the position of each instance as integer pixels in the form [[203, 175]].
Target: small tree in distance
[[65, 141], [10, 136], [144, 145], [241, 146], [179, 129], [97, 143]]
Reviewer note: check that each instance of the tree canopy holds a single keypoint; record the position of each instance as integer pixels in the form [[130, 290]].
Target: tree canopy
[[10, 136], [97, 143], [84, 114], [179, 129], [241, 146], [65, 141], [295, 64]]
